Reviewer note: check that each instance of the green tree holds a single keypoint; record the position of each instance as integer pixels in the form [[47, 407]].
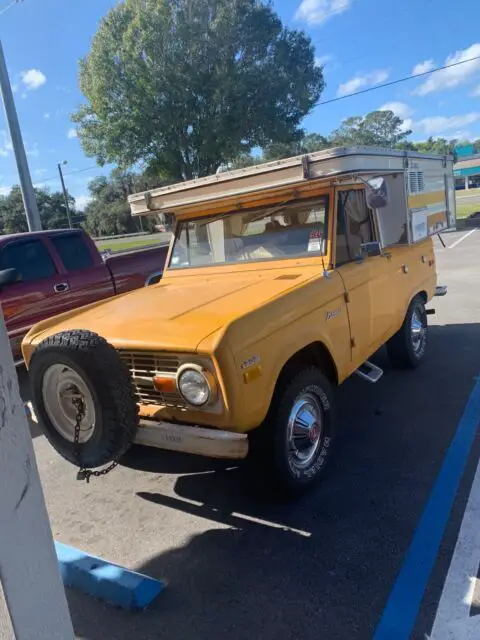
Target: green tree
[[188, 85], [51, 207], [377, 129], [307, 144], [108, 213]]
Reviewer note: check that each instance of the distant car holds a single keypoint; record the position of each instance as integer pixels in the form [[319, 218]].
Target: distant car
[[46, 273]]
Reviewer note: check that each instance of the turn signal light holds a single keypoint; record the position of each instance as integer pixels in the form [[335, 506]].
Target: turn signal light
[[165, 384]]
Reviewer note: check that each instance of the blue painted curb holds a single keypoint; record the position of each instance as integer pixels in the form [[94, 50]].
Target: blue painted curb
[[110, 582]]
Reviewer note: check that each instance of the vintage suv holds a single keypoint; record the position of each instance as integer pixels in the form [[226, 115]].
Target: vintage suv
[[282, 280]]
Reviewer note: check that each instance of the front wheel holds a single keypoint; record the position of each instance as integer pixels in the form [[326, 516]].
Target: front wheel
[[297, 437], [407, 348]]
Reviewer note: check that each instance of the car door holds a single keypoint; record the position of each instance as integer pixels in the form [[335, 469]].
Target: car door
[[37, 295], [367, 279], [86, 276]]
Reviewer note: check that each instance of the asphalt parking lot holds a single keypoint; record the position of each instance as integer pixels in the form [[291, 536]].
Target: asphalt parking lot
[[241, 565]]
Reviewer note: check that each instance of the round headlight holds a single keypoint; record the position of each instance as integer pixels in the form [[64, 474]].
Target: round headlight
[[194, 387]]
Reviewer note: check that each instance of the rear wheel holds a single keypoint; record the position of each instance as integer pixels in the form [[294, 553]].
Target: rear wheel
[[407, 348], [296, 440], [80, 366]]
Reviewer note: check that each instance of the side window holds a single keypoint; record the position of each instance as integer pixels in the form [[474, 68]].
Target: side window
[[73, 252], [354, 225], [31, 259]]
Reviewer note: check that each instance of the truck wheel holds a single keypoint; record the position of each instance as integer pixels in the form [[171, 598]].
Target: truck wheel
[[297, 438], [75, 364], [407, 348]]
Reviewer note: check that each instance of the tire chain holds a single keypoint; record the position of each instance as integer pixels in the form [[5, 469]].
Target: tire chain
[[83, 473]]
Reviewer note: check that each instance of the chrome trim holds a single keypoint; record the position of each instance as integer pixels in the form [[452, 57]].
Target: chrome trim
[[441, 290], [213, 443]]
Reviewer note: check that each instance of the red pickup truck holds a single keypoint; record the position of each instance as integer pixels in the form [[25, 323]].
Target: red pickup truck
[[49, 272]]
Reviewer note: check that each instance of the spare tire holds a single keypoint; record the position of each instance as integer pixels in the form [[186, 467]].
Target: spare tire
[[81, 364]]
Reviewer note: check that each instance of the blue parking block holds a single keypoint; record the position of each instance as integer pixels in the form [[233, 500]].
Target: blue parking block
[[110, 582]]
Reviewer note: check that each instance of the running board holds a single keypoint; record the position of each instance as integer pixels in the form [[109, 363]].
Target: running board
[[369, 372], [441, 290]]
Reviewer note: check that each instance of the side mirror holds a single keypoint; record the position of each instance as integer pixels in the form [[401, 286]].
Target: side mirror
[[377, 193], [9, 276], [371, 249]]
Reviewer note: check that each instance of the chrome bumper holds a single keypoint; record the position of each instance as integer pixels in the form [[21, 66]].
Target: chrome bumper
[[200, 441]]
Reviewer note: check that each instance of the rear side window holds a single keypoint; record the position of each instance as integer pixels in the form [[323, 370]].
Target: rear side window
[[30, 258], [73, 252]]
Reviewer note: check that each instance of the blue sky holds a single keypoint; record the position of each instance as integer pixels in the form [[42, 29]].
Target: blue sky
[[361, 43]]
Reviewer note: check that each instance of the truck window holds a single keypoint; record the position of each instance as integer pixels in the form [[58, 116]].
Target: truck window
[[286, 230], [31, 259], [354, 225], [73, 252]]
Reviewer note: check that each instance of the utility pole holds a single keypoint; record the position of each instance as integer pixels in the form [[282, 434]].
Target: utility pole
[[29, 571], [29, 200], [65, 194]]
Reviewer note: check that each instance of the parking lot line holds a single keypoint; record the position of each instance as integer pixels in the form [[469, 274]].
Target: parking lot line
[[402, 607], [464, 237]]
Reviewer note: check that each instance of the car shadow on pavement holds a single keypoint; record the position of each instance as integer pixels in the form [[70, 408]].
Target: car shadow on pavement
[[319, 567]]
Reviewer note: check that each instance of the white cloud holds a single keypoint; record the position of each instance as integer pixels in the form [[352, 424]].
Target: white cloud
[[3, 152], [72, 133], [40, 172], [317, 11], [5, 143], [33, 150], [362, 81], [321, 61], [401, 110], [440, 125], [81, 202], [453, 76], [47, 115], [32, 79], [476, 92], [423, 67], [4, 190], [14, 88]]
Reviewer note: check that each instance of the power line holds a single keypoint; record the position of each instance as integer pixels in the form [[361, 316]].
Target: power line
[[392, 82], [70, 173]]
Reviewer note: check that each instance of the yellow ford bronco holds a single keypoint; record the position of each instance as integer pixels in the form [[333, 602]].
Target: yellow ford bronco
[[282, 280]]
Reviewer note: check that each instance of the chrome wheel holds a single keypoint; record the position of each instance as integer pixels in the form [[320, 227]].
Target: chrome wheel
[[304, 432], [418, 331], [61, 386]]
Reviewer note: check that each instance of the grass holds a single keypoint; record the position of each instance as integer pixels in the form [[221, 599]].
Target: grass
[[131, 243], [464, 210], [464, 193]]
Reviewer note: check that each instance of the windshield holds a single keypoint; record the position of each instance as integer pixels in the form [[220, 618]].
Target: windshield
[[288, 230]]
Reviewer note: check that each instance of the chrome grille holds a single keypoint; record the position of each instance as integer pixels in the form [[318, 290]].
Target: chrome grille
[[144, 366]]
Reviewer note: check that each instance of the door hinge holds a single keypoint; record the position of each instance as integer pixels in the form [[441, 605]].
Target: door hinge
[[346, 296], [353, 344]]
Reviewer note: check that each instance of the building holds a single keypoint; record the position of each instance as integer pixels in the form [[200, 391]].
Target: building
[[467, 172]]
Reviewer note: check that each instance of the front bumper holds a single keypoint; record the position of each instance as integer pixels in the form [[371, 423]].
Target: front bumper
[[199, 441]]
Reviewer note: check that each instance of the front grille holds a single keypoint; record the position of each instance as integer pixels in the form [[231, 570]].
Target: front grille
[[144, 366]]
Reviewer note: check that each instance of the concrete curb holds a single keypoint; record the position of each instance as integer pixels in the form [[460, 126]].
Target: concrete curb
[[109, 582]]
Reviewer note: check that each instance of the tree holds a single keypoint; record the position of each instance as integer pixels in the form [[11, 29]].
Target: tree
[[108, 213], [377, 129], [189, 85], [51, 207], [307, 144]]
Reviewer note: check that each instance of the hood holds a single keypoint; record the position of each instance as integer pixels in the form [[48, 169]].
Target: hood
[[178, 313]]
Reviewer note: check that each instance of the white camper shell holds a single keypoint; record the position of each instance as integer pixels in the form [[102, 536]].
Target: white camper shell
[[421, 189]]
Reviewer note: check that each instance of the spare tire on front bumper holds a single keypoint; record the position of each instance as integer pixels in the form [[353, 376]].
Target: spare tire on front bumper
[[75, 364]]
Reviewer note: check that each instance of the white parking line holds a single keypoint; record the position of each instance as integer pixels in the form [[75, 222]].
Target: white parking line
[[464, 237], [456, 618]]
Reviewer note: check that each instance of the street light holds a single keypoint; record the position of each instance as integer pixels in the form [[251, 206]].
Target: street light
[[28, 194], [65, 194]]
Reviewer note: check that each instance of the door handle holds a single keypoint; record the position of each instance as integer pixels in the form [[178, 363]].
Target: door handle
[[61, 287]]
